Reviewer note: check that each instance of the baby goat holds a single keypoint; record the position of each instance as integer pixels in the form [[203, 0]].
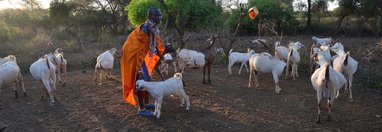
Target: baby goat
[[158, 90], [61, 64], [105, 62], [167, 60], [236, 57]]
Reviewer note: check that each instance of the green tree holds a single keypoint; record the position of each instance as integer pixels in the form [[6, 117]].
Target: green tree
[[186, 14], [137, 10], [278, 11]]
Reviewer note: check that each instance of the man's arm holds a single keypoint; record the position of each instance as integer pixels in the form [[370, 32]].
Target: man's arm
[[145, 29]]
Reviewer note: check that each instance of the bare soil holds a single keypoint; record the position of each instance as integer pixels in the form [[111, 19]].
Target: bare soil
[[226, 105]]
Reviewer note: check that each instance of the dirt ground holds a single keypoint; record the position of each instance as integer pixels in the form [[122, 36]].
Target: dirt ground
[[226, 105]]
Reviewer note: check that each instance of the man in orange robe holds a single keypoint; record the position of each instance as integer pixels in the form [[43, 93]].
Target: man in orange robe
[[141, 52]]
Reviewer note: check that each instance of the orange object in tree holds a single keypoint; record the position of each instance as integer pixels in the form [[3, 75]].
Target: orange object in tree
[[253, 12]]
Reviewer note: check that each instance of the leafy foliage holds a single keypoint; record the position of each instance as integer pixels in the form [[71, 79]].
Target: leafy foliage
[[60, 11], [196, 14], [188, 14], [281, 12], [137, 10]]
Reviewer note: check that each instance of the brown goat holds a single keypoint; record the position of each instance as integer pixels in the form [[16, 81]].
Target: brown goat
[[210, 56]]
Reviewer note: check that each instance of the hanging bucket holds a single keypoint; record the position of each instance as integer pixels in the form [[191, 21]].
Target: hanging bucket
[[253, 12]]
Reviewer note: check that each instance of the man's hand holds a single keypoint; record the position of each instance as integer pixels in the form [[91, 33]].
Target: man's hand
[[168, 49], [159, 54]]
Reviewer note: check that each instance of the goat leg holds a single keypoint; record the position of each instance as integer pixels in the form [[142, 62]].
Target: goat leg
[[330, 111]]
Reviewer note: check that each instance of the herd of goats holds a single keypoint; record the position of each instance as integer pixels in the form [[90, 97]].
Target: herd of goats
[[331, 72]]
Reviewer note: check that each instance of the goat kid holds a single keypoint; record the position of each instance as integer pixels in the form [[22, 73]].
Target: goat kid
[[167, 60], [158, 90], [236, 57], [105, 63], [57, 58]]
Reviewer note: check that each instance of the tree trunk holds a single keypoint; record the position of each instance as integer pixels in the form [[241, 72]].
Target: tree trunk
[[341, 20], [309, 14], [239, 24]]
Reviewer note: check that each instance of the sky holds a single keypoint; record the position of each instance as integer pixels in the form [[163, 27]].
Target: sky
[[4, 4], [17, 4]]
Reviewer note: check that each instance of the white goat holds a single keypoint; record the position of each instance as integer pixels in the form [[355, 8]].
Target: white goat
[[158, 90], [312, 65], [105, 62], [8, 58], [290, 55], [266, 63], [189, 58], [45, 71], [57, 58], [345, 64], [258, 41], [323, 41], [324, 50], [9, 73], [326, 81], [236, 57], [167, 60]]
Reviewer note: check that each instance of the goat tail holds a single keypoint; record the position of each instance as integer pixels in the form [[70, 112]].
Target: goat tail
[[178, 75], [327, 75], [62, 59], [230, 51], [289, 56], [346, 59], [47, 61]]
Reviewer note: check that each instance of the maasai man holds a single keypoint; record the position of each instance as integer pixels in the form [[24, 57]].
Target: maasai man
[[140, 53]]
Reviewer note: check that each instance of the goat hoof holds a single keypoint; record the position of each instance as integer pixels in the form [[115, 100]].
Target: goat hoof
[[329, 118], [318, 122], [99, 84], [25, 94], [351, 100]]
